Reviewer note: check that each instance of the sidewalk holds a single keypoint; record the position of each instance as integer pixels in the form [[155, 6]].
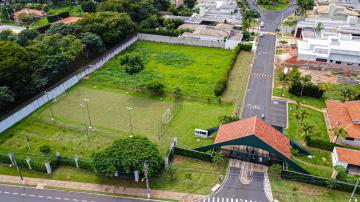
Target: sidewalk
[[43, 183]]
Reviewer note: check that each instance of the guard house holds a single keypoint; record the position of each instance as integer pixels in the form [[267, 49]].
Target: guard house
[[257, 139]]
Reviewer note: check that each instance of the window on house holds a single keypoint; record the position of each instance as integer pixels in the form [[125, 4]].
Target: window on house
[[349, 63], [338, 62], [333, 60], [349, 138]]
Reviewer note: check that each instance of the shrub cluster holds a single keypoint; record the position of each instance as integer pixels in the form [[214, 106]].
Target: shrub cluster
[[163, 32], [310, 90], [59, 16], [245, 47], [193, 154]]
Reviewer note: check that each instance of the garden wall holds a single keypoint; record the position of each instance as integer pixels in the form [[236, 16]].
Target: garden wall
[[183, 41], [35, 103]]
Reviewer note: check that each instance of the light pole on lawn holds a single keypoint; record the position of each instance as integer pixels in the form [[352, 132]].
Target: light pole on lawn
[[85, 125], [129, 110], [51, 110], [88, 112], [283, 82]]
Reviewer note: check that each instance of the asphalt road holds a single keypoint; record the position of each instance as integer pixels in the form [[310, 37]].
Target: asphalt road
[[9, 193], [258, 96], [234, 189]]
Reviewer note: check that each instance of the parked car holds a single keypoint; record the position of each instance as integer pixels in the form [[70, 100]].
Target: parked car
[[261, 24]]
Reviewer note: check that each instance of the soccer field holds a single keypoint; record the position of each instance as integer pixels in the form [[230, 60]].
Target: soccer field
[[110, 120]]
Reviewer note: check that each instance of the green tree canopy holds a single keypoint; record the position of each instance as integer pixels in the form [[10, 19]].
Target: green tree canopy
[[112, 27], [93, 43], [88, 6], [25, 36], [128, 155], [64, 29]]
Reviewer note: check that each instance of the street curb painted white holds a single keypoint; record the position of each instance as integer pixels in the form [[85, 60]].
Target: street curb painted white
[[267, 187]]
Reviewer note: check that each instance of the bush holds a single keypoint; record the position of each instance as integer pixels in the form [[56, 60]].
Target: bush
[[320, 144], [88, 6], [310, 90], [342, 173], [228, 119], [246, 36], [155, 87], [245, 47], [42, 29], [133, 63], [26, 17], [163, 32], [193, 154], [220, 87], [45, 149]]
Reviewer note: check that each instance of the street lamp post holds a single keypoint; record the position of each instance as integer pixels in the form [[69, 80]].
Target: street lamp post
[[129, 110], [85, 125], [88, 112], [51, 110]]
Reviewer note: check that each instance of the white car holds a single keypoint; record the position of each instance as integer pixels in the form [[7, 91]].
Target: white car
[[261, 34], [262, 24]]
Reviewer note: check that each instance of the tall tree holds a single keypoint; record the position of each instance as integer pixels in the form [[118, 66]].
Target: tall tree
[[346, 92], [285, 78], [304, 80], [93, 43], [307, 130], [112, 27]]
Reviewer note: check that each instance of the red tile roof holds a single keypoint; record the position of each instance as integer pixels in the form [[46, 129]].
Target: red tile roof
[[257, 127], [344, 115], [348, 155]]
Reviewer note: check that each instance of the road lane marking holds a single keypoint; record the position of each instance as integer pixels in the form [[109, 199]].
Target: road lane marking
[[6, 192], [49, 197], [40, 196], [66, 199], [23, 194], [15, 193], [58, 198]]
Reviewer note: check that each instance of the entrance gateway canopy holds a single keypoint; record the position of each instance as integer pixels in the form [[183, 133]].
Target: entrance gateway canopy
[[256, 133]]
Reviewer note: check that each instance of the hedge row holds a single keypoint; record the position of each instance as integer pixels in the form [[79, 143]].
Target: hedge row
[[245, 47], [163, 32], [193, 154], [310, 90], [222, 83], [320, 144], [38, 163], [42, 29], [311, 179], [54, 18]]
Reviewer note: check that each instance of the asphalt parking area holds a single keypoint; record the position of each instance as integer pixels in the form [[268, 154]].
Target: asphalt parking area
[[279, 113]]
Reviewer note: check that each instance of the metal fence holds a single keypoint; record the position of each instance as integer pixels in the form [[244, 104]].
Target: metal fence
[[42, 98]]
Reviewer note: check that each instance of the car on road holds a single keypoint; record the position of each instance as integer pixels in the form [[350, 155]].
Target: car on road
[[261, 34], [262, 24]]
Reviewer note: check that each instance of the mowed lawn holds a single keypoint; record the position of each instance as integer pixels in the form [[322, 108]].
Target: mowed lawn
[[193, 69], [238, 78], [110, 120], [204, 176]]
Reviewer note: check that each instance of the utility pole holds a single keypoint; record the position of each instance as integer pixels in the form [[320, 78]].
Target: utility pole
[[51, 110], [17, 167], [85, 125], [353, 193], [147, 179], [88, 112], [129, 109]]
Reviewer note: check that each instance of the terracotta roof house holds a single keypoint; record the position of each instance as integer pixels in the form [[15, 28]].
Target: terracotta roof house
[[38, 13], [255, 133], [345, 115], [347, 158]]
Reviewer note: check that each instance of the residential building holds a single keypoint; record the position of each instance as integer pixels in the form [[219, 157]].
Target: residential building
[[331, 35], [345, 115], [219, 32], [346, 158]]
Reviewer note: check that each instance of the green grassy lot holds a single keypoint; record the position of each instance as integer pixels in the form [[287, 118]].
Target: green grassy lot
[[238, 78], [204, 176], [314, 117], [321, 158], [315, 102], [291, 191], [194, 69], [110, 119], [276, 6]]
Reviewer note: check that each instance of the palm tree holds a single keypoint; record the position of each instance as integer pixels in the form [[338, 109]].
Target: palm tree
[[339, 132], [285, 78], [319, 27], [303, 80], [301, 116], [347, 92], [217, 157], [307, 129]]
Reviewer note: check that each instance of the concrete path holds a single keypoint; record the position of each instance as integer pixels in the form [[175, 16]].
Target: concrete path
[[43, 183], [301, 104]]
